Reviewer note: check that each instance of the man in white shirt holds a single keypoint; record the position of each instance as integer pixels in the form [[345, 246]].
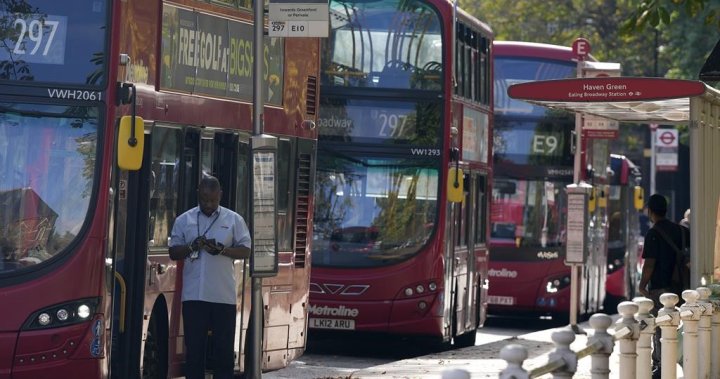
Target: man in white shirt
[[209, 238]]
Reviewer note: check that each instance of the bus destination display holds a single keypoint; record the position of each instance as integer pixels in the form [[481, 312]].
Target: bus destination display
[[54, 42], [363, 120]]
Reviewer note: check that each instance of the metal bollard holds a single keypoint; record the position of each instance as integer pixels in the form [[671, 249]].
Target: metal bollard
[[644, 344], [690, 313], [705, 333], [715, 345], [668, 320], [627, 331], [562, 338], [600, 361], [514, 355]]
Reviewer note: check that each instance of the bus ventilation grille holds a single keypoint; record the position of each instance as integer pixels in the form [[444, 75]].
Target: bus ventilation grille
[[311, 99], [303, 207]]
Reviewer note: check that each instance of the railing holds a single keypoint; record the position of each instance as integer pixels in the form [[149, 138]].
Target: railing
[[694, 326]]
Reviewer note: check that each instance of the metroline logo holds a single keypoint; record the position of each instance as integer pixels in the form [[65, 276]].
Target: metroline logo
[[333, 311], [504, 273]]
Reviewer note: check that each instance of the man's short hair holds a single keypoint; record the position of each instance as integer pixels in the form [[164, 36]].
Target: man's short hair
[[210, 182], [657, 204]]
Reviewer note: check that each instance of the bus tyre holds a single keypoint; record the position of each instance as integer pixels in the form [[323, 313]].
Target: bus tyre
[[465, 340], [154, 356]]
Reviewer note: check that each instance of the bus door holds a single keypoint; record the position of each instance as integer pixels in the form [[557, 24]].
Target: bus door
[[129, 262], [173, 177], [459, 260], [225, 156]]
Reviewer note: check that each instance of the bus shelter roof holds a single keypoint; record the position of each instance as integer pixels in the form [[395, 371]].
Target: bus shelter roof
[[627, 99], [661, 101]]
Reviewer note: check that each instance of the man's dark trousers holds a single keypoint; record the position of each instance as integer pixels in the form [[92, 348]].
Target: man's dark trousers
[[198, 318]]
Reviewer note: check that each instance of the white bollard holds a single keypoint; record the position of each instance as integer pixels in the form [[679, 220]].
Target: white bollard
[[644, 344], [715, 345], [668, 320], [705, 333], [627, 330], [690, 313], [514, 355], [562, 338], [600, 364]]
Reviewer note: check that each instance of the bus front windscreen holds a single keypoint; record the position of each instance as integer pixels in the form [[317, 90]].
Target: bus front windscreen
[[528, 213], [372, 211], [53, 41], [47, 164]]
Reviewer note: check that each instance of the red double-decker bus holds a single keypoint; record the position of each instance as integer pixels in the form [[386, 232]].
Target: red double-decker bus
[[400, 229], [88, 289], [533, 163]]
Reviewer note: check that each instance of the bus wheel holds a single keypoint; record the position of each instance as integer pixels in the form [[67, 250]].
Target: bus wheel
[[154, 356], [465, 340]]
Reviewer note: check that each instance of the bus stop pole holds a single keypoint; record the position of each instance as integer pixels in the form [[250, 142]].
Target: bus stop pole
[[574, 277], [254, 370]]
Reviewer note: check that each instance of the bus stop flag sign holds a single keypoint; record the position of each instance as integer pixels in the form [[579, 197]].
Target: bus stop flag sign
[[288, 18]]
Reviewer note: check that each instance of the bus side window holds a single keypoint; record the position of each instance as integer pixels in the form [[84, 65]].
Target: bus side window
[[285, 209], [166, 148]]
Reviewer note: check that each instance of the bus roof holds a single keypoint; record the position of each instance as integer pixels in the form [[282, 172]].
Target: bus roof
[[534, 50]]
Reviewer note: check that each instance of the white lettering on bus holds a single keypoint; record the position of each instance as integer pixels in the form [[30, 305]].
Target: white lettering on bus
[[425, 152], [34, 30], [504, 273], [74, 94], [333, 311], [203, 50], [334, 122]]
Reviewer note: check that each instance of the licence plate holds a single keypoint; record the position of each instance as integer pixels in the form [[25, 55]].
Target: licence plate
[[332, 323], [501, 300]]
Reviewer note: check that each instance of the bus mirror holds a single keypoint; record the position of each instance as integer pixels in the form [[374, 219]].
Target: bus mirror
[[639, 198], [592, 200], [602, 198], [130, 144], [455, 185]]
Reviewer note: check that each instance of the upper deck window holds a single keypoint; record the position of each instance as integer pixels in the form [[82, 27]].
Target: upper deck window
[[510, 70], [54, 41], [387, 44]]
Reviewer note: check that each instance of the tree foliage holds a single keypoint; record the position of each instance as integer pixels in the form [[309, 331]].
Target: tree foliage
[[653, 13], [618, 30]]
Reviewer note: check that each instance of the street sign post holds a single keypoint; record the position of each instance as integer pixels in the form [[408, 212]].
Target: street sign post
[[666, 150]]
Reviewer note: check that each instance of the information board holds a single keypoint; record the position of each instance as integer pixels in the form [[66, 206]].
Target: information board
[[264, 258], [576, 223], [298, 19]]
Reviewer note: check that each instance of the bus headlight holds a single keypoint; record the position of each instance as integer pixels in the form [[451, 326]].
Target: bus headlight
[[556, 284], [83, 311], [62, 314], [44, 319], [68, 313]]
